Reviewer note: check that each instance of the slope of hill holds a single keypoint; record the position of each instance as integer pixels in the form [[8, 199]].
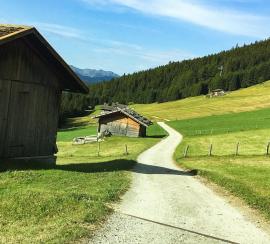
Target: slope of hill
[[230, 150], [91, 76], [242, 67], [247, 99]]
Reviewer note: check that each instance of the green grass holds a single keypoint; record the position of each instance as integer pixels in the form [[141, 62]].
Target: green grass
[[248, 99], [253, 142], [246, 175], [69, 134], [65, 203], [156, 131], [220, 124]]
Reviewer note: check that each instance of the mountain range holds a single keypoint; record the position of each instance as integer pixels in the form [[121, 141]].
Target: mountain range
[[91, 76]]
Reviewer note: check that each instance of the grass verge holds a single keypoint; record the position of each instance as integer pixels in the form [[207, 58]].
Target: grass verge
[[66, 202], [246, 175]]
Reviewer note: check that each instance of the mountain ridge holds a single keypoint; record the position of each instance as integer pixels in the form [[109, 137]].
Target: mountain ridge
[[91, 76]]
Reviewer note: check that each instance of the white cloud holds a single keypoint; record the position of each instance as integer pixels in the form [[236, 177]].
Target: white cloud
[[115, 49], [145, 56], [60, 30], [81, 35], [217, 18]]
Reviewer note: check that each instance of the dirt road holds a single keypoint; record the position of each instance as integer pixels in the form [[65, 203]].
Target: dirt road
[[166, 205]]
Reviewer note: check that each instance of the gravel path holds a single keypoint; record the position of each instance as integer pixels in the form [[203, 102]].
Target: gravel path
[[166, 205]]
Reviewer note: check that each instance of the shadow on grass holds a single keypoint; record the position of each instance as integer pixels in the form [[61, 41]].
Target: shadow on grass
[[65, 123], [109, 166], [86, 125], [156, 136]]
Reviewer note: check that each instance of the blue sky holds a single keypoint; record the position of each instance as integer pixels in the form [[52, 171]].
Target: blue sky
[[131, 35]]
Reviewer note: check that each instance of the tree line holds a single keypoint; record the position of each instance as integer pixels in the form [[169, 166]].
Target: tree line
[[242, 67]]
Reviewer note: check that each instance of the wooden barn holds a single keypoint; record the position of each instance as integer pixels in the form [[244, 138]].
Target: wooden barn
[[120, 120], [32, 78]]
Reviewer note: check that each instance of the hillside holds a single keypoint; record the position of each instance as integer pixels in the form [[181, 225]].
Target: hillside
[[242, 170], [242, 67], [91, 76], [247, 99]]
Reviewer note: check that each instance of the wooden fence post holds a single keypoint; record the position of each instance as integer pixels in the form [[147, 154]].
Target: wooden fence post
[[237, 149], [267, 148], [210, 149], [98, 149], [186, 151], [126, 147]]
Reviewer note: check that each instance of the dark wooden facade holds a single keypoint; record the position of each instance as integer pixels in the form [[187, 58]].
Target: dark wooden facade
[[32, 78]]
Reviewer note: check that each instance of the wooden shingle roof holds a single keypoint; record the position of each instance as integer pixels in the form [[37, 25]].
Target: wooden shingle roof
[[69, 80], [8, 30], [128, 112]]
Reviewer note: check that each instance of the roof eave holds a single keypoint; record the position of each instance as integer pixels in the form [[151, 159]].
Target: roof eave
[[121, 111], [83, 86], [32, 30]]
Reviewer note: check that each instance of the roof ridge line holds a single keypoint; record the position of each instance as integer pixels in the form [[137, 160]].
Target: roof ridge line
[[20, 29]]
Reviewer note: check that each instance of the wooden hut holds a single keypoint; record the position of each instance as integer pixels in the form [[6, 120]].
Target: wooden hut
[[217, 93], [32, 78], [120, 120]]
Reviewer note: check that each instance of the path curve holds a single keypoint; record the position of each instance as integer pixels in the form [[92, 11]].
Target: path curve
[[166, 205]]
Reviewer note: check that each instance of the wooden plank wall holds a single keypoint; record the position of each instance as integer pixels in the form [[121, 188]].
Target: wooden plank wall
[[133, 128], [120, 124], [33, 103], [32, 131], [20, 63], [142, 132], [4, 100]]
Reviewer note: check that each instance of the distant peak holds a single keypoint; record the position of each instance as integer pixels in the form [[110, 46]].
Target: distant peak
[[93, 75]]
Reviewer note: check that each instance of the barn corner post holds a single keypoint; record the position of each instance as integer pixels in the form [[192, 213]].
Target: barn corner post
[[32, 78]]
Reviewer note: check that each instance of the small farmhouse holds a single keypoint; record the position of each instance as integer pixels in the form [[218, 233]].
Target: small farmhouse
[[32, 78], [217, 93], [121, 120]]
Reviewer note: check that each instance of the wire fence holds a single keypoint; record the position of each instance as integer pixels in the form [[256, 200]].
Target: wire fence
[[237, 150], [223, 130]]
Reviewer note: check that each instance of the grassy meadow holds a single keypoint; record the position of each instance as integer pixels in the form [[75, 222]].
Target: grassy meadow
[[252, 98], [65, 203], [245, 175]]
